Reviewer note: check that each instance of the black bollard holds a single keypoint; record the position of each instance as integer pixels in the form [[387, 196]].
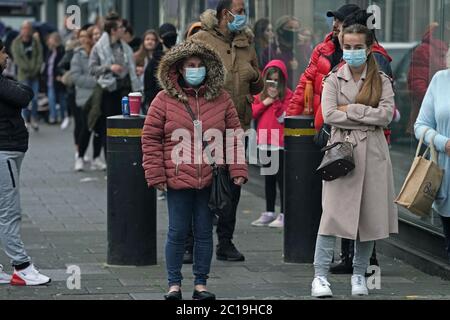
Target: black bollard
[[131, 204], [302, 189]]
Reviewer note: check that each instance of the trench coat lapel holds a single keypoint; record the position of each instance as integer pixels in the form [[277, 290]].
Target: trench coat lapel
[[349, 89]]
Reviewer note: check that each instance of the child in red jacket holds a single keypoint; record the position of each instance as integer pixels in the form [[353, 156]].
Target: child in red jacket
[[269, 111]]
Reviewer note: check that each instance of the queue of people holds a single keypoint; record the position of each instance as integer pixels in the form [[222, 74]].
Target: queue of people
[[223, 77]]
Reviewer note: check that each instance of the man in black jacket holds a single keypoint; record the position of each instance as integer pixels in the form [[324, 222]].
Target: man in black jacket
[[13, 144]]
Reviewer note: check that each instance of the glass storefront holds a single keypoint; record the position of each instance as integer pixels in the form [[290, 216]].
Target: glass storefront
[[405, 26]]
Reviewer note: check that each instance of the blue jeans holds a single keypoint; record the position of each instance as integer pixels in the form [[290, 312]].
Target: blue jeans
[[186, 206], [34, 85], [54, 97]]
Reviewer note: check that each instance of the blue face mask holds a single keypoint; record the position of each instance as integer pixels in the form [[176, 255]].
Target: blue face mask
[[355, 58], [195, 76], [239, 22]]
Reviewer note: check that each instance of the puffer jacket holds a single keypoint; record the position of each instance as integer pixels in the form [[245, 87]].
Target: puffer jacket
[[427, 59], [211, 105], [272, 117], [319, 67], [84, 82], [14, 96], [243, 79]]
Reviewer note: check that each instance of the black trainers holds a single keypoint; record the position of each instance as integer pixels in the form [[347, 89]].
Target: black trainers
[[173, 296], [344, 267], [188, 257], [228, 252], [203, 296]]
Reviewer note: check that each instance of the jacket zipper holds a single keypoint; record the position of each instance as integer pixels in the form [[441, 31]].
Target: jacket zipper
[[177, 167], [199, 168]]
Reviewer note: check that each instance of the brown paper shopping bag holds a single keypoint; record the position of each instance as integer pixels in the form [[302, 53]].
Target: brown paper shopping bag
[[422, 183]]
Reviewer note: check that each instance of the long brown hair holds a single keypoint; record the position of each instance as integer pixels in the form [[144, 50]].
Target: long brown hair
[[90, 32], [142, 53], [371, 91], [281, 83]]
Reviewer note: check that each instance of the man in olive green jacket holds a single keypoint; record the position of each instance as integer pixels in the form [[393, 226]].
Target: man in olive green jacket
[[28, 56], [226, 31]]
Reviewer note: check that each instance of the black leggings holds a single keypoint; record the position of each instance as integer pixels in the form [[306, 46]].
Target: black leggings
[[271, 183], [77, 114], [85, 136]]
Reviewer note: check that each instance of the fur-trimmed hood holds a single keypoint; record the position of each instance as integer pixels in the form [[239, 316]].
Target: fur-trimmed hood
[[210, 23], [169, 77]]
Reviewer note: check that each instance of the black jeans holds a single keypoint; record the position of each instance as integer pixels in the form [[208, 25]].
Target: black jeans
[[446, 226], [112, 103], [77, 116], [271, 183], [225, 227]]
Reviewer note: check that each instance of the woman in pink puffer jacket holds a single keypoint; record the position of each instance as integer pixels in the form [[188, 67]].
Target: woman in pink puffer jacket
[[193, 74]]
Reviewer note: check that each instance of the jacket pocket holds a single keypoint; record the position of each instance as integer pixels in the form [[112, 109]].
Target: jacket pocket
[[13, 181], [246, 73]]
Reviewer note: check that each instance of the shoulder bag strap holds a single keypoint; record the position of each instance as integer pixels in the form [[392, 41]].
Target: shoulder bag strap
[[196, 123]]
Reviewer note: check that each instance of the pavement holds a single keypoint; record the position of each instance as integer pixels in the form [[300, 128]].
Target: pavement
[[64, 224]]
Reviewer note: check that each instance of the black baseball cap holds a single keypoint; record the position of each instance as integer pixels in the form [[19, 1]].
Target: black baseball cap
[[343, 12], [167, 30]]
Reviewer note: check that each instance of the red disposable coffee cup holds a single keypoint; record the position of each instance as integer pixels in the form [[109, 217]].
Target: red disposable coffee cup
[[135, 99]]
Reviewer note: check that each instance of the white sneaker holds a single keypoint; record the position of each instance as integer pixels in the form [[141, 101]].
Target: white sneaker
[[98, 165], [79, 165], [29, 277], [65, 124], [86, 158], [321, 288], [4, 277], [265, 219], [359, 286], [278, 223]]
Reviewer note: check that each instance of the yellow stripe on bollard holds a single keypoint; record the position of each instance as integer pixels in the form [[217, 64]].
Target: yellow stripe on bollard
[[125, 133], [299, 132]]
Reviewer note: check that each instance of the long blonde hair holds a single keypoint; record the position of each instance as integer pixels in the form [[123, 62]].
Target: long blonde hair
[[370, 94]]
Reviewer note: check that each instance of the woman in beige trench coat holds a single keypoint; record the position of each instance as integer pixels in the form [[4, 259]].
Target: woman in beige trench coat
[[360, 206]]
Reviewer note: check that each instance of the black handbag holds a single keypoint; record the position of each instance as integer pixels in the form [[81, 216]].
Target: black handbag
[[221, 198], [338, 161]]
